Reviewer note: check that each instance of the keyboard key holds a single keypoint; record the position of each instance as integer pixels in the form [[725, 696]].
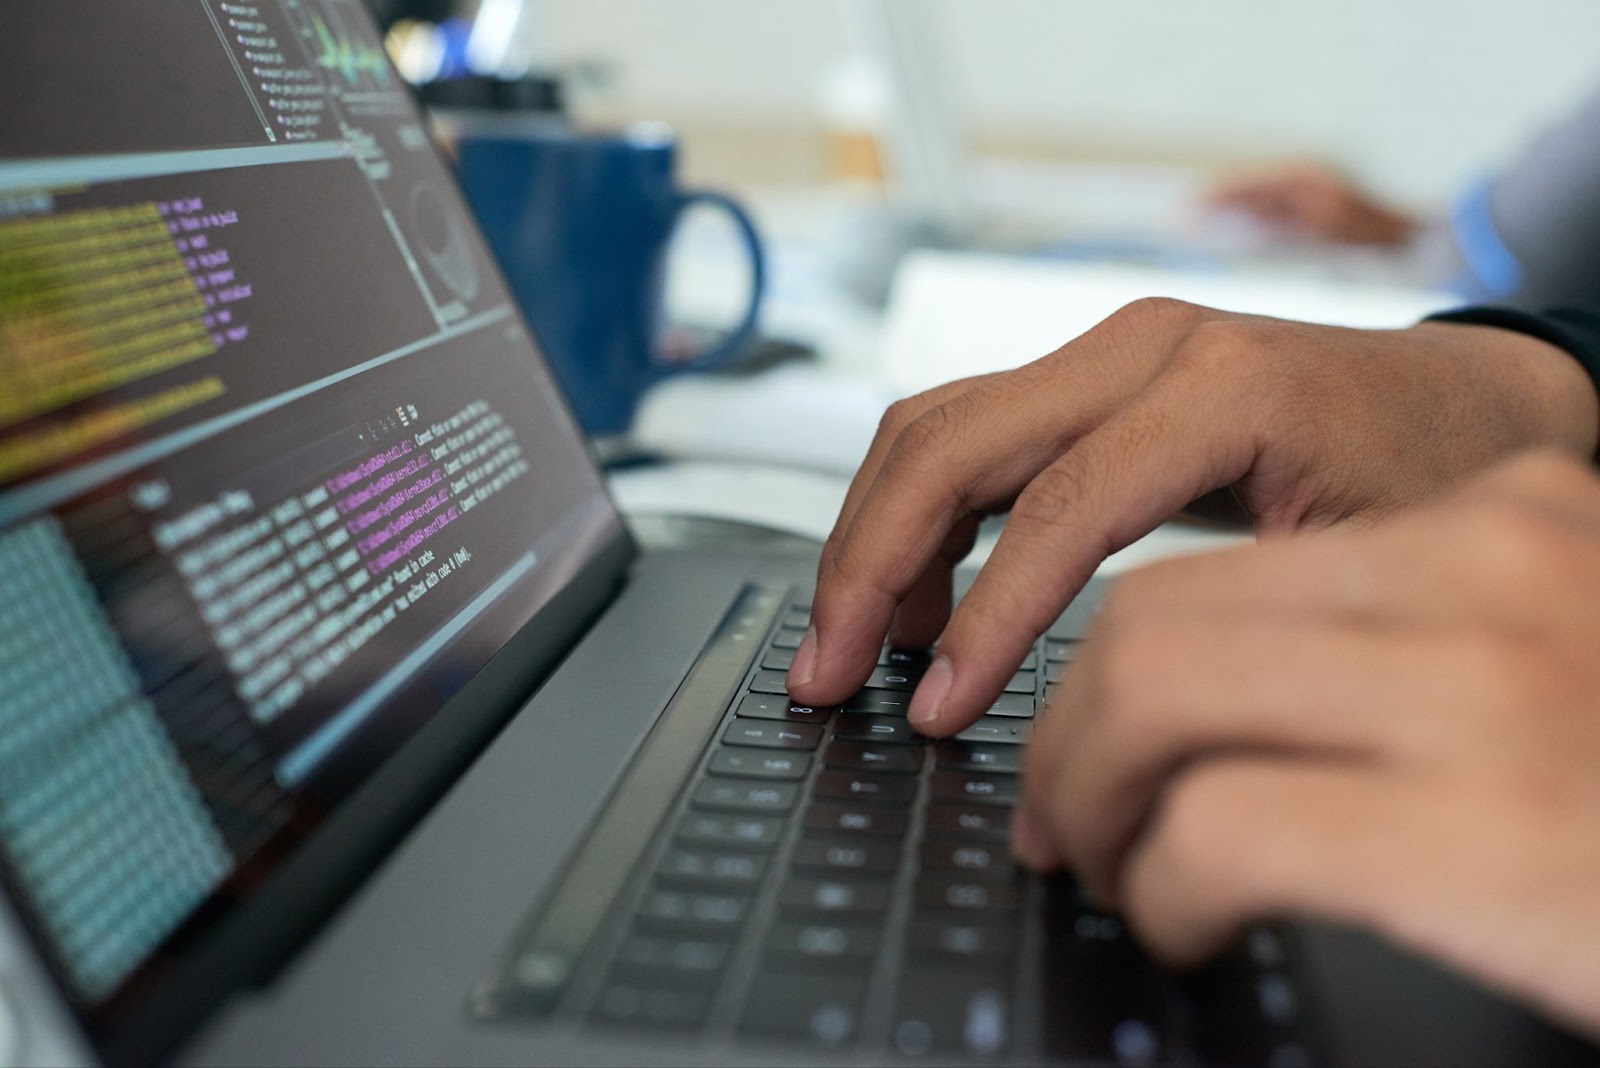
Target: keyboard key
[[824, 1009], [893, 678], [780, 659], [864, 786], [833, 896], [1116, 991], [802, 600], [973, 786], [756, 764], [890, 730], [675, 910], [787, 639], [962, 894], [768, 706], [797, 620], [952, 939], [976, 756], [1246, 1010], [952, 1010], [1029, 662], [833, 857], [739, 832], [828, 818], [915, 658], [735, 795], [1022, 682], [971, 858], [704, 867], [1002, 730], [773, 682], [890, 759], [1059, 652], [878, 703], [967, 822], [1074, 622], [628, 1003], [1012, 704], [822, 943], [765, 735], [671, 962], [1053, 672]]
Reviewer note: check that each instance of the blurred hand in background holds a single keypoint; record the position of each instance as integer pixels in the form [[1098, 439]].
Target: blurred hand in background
[[1312, 200]]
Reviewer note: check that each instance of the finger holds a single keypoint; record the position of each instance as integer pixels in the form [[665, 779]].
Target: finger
[[1481, 553], [1172, 694], [965, 456], [926, 608], [956, 460], [899, 416], [1116, 484], [1547, 482], [1245, 839]]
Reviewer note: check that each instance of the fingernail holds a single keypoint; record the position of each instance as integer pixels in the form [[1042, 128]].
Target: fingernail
[[805, 659], [931, 692]]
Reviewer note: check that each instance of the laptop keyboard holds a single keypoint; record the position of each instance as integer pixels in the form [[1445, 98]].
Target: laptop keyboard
[[829, 877]]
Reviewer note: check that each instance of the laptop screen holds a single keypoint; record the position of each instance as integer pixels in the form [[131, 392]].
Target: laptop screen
[[280, 468]]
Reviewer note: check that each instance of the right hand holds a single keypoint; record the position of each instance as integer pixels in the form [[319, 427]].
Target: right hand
[[1311, 200], [1095, 444]]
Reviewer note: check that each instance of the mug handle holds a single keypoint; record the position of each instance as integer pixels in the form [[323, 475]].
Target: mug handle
[[740, 334]]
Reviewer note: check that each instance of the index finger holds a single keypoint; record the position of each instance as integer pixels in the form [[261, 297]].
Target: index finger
[[1115, 485]]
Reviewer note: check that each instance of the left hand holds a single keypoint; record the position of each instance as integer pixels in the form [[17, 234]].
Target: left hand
[[1396, 726]]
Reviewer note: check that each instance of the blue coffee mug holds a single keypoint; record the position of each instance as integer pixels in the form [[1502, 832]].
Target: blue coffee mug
[[581, 223]]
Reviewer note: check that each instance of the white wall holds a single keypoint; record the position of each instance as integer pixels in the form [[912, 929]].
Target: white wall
[[1414, 95]]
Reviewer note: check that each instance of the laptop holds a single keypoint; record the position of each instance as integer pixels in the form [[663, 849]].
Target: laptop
[[341, 721]]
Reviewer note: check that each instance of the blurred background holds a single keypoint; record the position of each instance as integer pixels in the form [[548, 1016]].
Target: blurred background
[[1409, 95], [946, 187]]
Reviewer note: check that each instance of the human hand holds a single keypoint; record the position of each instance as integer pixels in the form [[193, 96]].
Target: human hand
[[1094, 445], [1309, 199], [1396, 726]]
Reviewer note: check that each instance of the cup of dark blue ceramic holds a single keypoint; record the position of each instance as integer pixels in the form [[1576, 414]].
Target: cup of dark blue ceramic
[[582, 223]]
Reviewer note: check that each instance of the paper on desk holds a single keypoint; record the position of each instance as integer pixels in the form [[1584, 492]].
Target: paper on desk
[[957, 314], [796, 416]]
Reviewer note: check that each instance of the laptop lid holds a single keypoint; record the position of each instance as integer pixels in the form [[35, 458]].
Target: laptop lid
[[281, 473]]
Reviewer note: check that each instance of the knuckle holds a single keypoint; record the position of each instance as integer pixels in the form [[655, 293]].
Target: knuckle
[[1217, 347], [898, 415], [1201, 810], [1549, 471], [1192, 863], [1053, 500], [1510, 676], [1512, 544], [1148, 309], [929, 433]]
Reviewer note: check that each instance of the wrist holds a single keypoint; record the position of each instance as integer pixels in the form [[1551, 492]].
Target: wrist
[[1542, 394]]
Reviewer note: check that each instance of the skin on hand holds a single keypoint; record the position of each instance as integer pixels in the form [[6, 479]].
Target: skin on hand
[[1311, 200], [1396, 726], [1094, 445]]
